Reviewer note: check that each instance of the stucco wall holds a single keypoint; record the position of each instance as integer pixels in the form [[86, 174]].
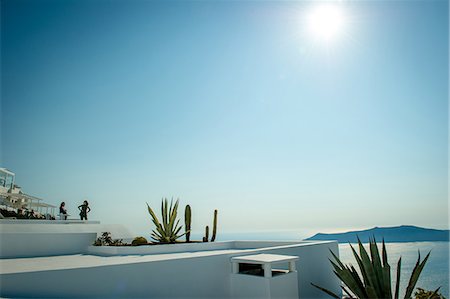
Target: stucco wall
[[194, 277], [31, 238], [157, 249], [14, 245]]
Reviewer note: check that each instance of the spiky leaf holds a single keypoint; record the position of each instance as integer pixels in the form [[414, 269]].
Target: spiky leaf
[[168, 231], [374, 278], [415, 275], [326, 291]]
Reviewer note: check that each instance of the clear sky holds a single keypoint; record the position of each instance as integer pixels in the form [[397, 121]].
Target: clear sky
[[234, 105]]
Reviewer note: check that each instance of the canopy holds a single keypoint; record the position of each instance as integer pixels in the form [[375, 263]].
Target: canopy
[[41, 205], [19, 200]]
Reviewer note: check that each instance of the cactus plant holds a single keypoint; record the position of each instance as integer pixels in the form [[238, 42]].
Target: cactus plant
[[168, 231], [206, 237], [213, 237], [187, 223]]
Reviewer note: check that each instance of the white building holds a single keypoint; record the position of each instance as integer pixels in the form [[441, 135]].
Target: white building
[[7, 180], [12, 197], [55, 259]]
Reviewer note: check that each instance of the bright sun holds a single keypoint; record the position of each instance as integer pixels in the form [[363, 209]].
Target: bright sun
[[326, 22]]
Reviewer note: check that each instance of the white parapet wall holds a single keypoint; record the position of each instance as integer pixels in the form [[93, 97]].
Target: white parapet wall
[[33, 238], [200, 270], [43, 244]]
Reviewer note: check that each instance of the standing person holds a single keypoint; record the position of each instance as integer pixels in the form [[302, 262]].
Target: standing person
[[63, 211], [84, 209]]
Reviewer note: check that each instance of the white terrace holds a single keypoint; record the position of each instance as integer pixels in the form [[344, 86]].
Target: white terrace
[[55, 259]]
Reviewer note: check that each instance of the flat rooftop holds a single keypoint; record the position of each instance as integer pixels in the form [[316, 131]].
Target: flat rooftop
[[64, 262], [77, 261]]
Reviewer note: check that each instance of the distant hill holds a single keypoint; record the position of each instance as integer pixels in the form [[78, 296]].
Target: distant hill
[[404, 233]]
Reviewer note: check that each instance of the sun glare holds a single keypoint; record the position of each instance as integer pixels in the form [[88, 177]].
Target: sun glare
[[326, 22]]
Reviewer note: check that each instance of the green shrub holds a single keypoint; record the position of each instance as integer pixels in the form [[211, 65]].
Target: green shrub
[[424, 294], [106, 240], [139, 241]]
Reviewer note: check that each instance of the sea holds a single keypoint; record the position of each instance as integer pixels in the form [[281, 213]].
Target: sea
[[434, 275]]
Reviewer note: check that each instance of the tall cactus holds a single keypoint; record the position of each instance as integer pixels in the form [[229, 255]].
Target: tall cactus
[[206, 237], [213, 237], [187, 223]]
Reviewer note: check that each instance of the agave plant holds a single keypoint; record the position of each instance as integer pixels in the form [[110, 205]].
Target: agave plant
[[376, 274], [168, 230]]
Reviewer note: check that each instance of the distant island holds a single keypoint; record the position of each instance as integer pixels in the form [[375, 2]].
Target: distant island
[[404, 233]]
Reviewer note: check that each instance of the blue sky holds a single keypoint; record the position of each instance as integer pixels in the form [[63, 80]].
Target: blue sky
[[230, 105]]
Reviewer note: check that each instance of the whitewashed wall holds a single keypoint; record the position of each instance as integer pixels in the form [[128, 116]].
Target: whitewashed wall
[[32, 238], [193, 277], [14, 245]]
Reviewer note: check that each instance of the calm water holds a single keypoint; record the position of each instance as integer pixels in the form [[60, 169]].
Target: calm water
[[434, 275]]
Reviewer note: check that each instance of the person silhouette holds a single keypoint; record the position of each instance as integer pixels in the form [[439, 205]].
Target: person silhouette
[[84, 209], [63, 211]]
